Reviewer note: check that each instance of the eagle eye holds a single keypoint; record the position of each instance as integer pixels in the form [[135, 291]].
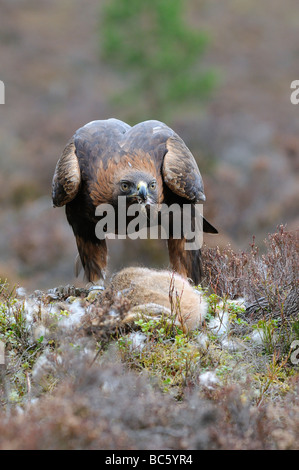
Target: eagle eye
[[125, 186], [153, 185]]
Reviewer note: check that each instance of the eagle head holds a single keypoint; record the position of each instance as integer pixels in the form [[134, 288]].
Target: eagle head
[[138, 187]]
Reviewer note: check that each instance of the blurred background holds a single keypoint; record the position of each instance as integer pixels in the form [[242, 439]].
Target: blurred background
[[218, 73]]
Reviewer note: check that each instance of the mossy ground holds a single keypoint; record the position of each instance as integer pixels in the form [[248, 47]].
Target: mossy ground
[[236, 350], [232, 383]]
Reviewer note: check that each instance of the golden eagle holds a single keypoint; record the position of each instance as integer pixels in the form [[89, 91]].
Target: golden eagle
[[147, 163]]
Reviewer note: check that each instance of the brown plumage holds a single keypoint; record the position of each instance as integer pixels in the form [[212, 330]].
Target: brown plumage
[[148, 163]]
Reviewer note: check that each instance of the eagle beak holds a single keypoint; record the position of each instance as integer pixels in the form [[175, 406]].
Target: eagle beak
[[201, 197], [142, 190]]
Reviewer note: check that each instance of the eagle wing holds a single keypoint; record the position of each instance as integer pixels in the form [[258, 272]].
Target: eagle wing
[[180, 171], [182, 176], [67, 177], [178, 166], [89, 144]]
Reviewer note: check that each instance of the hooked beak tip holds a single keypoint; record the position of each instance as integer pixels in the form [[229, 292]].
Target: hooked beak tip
[[201, 197], [142, 191]]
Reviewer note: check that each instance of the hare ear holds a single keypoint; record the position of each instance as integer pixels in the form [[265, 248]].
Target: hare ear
[[67, 176]]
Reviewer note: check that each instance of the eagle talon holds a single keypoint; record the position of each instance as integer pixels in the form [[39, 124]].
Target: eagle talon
[[96, 287]]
